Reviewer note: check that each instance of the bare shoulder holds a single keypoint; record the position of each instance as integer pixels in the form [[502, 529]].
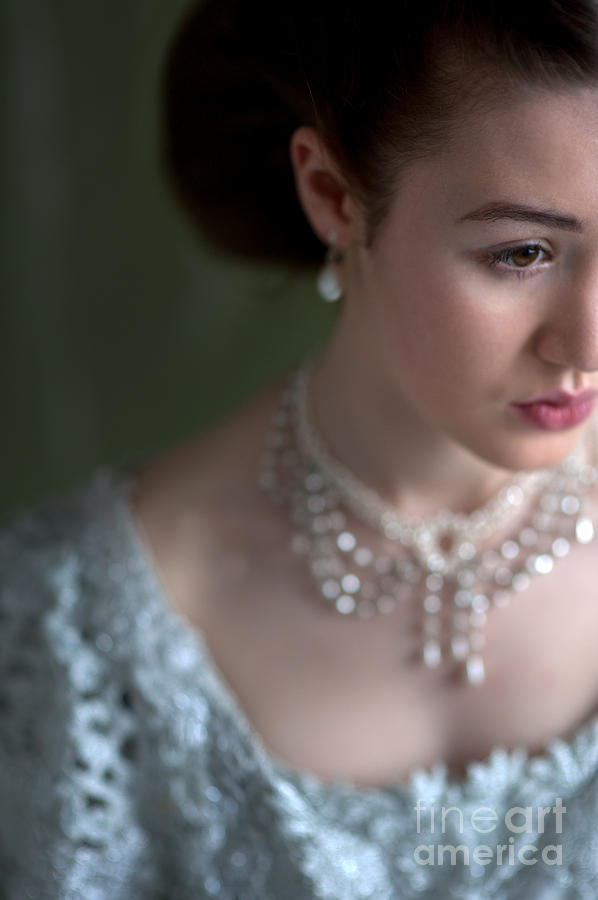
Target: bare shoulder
[[198, 501]]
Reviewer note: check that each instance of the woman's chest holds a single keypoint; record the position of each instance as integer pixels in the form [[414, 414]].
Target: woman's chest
[[350, 699]]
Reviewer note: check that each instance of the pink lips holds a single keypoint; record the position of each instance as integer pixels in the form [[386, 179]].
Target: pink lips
[[557, 410]]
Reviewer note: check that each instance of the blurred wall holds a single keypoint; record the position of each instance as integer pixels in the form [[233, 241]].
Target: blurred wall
[[119, 332]]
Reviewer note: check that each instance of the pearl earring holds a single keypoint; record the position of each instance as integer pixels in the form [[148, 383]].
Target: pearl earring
[[328, 284]]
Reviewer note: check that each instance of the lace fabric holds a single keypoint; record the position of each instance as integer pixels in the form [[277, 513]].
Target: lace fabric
[[128, 768]]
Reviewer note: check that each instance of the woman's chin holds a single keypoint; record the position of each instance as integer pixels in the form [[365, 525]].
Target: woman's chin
[[527, 450]]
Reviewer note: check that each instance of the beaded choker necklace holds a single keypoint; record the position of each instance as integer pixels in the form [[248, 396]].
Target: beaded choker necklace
[[439, 563]]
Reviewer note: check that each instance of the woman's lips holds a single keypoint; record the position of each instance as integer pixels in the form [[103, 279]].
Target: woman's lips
[[560, 398], [557, 410]]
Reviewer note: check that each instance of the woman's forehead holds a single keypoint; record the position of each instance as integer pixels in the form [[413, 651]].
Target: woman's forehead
[[539, 150]]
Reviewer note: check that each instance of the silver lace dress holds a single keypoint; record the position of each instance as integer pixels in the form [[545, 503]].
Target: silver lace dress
[[128, 770]]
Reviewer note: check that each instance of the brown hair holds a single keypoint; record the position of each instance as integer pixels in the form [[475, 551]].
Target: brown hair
[[381, 81]]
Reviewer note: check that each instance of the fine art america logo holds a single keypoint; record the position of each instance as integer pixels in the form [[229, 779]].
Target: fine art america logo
[[510, 851]]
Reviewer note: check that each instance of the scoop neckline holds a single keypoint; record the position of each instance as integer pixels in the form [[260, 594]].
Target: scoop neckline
[[508, 766]]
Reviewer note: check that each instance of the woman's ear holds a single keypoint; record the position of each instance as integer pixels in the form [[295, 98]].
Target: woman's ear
[[323, 192]]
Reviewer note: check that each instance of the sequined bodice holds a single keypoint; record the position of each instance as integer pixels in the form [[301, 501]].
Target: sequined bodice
[[128, 770]]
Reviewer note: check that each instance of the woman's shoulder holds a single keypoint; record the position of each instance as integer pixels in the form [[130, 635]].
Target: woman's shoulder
[[68, 545], [69, 566], [52, 556], [196, 503], [43, 541], [38, 537], [55, 559], [219, 462]]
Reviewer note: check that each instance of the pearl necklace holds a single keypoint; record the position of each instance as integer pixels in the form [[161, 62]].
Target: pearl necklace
[[297, 469]]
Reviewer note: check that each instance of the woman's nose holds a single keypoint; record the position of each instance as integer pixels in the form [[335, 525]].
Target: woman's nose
[[569, 335]]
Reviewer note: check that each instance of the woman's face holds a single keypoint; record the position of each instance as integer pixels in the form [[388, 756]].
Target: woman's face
[[480, 289]]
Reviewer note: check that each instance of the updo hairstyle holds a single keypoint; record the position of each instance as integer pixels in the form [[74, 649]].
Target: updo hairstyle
[[383, 82]]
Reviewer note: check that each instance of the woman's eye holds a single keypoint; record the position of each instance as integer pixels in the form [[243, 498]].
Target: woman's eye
[[524, 256], [515, 260]]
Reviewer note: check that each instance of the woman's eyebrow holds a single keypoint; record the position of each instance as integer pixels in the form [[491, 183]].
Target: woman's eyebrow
[[516, 212]]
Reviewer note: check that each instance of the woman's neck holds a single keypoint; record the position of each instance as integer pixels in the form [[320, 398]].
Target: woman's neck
[[372, 431]]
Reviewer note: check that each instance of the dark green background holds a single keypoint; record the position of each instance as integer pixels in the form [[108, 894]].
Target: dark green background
[[120, 332]]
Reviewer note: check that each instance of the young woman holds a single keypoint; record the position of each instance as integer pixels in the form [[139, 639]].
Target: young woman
[[342, 645]]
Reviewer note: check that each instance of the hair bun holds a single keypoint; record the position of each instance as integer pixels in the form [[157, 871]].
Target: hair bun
[[226, 130]]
